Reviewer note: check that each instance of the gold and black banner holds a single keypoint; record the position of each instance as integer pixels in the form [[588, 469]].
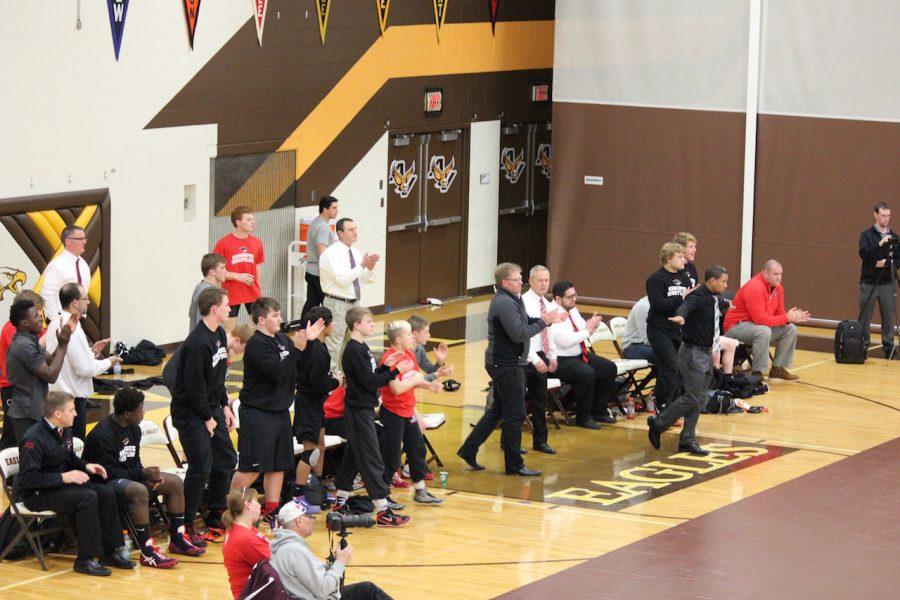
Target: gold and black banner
[[322, 9], [384, 7], [440, 12]]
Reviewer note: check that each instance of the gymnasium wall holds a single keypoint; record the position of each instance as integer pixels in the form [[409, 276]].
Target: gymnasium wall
[[150, 126], [653, 98]]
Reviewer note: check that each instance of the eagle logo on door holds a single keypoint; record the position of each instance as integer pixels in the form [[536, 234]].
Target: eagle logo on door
[[543, 159], [442, 172], [513, 165], [402, 178]]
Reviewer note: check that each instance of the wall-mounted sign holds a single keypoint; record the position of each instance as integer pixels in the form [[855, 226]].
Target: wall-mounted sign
[[540, 92], [118, 10], [434, 100], [191, 13]]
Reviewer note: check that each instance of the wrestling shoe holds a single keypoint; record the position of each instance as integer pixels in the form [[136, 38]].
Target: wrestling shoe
[[394, 505], [180, 544], [152, 557], [194, 537], [214, 535], [388, 518], [424, 497], [399, 483]]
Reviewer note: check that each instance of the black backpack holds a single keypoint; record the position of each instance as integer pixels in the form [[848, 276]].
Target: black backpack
[[849, 343]]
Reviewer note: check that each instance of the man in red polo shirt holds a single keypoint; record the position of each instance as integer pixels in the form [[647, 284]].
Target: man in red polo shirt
[[757, 317], [242, 252]]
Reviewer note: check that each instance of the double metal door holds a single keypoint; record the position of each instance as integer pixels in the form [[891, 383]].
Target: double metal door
[[425, 227], [524, 193]]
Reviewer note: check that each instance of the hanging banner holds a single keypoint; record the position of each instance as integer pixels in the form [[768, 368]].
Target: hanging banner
[[440, 11], [322, 9], [191, 13], [118, 10], [494, 4], [384, 7], [259, 17]]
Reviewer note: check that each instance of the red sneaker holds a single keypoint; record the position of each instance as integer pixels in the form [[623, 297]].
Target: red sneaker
[[429, 476], [156, 559], [194, 537], [180, 544], [399, 483], [388, 518], [214, 535]]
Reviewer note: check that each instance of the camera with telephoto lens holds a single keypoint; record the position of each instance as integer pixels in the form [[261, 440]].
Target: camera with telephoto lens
[[338, 522]]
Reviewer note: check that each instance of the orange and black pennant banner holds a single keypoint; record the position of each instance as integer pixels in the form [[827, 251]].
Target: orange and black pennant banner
[[384, 7], [440, 12], [191, 13], [322, 9], [494, 5], [259, 17]]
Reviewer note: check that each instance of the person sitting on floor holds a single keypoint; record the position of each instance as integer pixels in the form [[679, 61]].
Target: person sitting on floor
[[302, 575]]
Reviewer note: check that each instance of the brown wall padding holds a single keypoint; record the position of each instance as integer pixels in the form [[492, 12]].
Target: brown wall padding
[[817, 180], [664, 171]]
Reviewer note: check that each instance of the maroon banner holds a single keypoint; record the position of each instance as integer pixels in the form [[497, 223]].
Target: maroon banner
[[191, 13], [494, 4]]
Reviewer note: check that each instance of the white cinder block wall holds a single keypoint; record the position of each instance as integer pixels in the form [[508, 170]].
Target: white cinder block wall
[[73, 118]]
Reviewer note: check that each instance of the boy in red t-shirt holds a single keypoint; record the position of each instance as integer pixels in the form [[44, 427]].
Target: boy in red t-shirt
[[402, 423], [242, 252]]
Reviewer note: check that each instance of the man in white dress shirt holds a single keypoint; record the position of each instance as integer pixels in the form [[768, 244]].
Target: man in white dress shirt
[[342, 268], [82, 360], [541, 356], [592, 377], [67, 266]]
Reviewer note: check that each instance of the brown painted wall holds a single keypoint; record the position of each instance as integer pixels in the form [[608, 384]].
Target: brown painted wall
[[664, 171], [816, 182]]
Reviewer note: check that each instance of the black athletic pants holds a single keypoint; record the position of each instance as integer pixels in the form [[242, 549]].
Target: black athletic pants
[[593, 383], [363, 454], [665, 344], [8, 439], [314, 294], [93, 506], [210, 460], [79, 426], [365, 590], [536, 393], [401, 431], [19, 427], [509, 407]]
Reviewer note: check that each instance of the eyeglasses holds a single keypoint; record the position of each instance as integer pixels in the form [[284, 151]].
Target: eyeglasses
[[570, 296], [514, 278], [80, 239]]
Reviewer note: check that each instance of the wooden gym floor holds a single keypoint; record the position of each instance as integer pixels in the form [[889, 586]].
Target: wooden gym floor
[[606, 491]]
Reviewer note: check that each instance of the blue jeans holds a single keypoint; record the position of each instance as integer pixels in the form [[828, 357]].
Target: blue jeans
[[639, 352]]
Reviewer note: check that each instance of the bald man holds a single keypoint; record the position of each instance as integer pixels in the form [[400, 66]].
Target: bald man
[[758, 318]]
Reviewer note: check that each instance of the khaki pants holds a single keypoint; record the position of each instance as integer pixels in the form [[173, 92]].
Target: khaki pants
[[335, 341], [760, 336]]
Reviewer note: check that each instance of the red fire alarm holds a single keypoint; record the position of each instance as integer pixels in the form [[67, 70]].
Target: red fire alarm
[[540, 92], [434, 100]]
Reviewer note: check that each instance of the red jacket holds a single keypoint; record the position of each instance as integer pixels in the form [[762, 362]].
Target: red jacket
[[758, 303]]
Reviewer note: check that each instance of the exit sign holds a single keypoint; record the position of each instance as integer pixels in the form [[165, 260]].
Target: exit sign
[[434, 100], [540, 92]]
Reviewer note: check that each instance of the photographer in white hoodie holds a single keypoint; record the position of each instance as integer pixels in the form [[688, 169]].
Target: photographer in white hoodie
[[305, 577]]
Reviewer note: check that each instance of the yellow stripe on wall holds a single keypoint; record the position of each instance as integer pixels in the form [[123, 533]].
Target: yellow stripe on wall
[[413, 51]]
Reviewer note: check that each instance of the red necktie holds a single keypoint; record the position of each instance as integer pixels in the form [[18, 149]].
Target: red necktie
[[78, 270], [545, 335], [584, 356]]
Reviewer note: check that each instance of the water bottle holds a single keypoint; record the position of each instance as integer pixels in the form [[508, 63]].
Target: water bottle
[[129, 547], [117, 368]]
